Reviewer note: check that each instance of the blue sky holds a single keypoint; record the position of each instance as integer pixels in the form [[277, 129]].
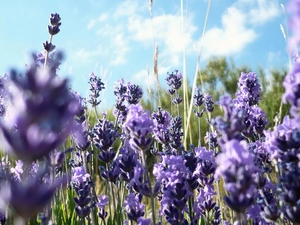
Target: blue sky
[[114, 39]]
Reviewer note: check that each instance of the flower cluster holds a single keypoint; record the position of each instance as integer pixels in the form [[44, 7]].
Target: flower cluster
[[259, 169]]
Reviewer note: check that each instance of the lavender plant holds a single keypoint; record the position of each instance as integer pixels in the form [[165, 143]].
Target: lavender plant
[[135, 168]]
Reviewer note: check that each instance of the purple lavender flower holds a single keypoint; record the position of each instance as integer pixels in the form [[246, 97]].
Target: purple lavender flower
[[55, 24], [176, 134], [143, 221], [236, 166], [30, 195], [173, 174], [111, 173], [208, 103], [17, 170], [82, 186], [291, 84], [79, 175], [41, 110], [104, 135], [96, 86], [133, 207], [4, 95], [283, 143], [174, 80], [48, 46], [161, 124], [81, 137], [138, 124], [249, 88], [134, 94], [177, 99], [211, 138], [232, 124], [103, 201], [294, 24], [257, 121], [120, 89], [126, 161], [198, 98]]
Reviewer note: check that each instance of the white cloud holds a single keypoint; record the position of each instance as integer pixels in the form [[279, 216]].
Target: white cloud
[[91, 24], [265, 12], [166, 32], [103, 17], [127, 8], [231, 38], [238, 27], [120, 47]]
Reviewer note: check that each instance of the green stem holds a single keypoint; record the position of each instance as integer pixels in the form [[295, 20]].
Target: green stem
[[47, 53], [150, 186], [93, 211]]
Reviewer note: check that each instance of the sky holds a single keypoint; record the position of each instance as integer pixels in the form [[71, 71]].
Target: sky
[[115, 39]]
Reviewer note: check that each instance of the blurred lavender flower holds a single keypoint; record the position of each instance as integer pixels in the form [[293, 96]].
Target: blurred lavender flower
[[198, 101], [134, 94], [173, 174], [291, 84], [17, 170], [138, 125], [174, 80], [161, 125], [41, 110], [120, 110], [232, 124], [104, 135], [177, 99], [96, 86], [129, 93], [208, 103], [289, 195], [236, 166], [133, 207], [4, 95], [103, 201], [249, 88], [81, 137], [256, 121], [143, 221], [294, 24], [198, 98], [206, 164], [247, 98], [126, 161], [82, 186], [30, 195], [111, 173], [283, 143], [176, 134], [211, 138]]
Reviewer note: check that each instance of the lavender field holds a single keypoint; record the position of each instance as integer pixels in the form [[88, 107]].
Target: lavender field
[[180, 153]]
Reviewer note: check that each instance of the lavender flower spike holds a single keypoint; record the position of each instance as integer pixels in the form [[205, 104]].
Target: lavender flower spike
[[236, 166], [28, 196], [40, 115]]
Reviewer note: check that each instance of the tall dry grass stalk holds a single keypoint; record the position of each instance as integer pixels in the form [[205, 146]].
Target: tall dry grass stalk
[[285, 36], [185, 83], [197, 71], [155, 73]]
